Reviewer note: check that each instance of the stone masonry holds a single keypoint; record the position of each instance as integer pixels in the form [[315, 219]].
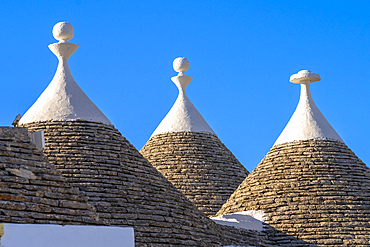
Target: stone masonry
[[33, 191], [198, 164], [125, 188], [314, 193], [244, 237]]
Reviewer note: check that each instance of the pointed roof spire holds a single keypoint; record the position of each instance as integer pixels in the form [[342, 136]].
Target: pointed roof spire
[[63, 99], [307, 121], [308, 181], [124, 188], [183, 116], [190, 155]]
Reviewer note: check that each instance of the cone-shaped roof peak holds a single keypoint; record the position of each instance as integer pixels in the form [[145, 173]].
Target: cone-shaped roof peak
[[190, 155], [307, 121], [183, 116], [63, 99]]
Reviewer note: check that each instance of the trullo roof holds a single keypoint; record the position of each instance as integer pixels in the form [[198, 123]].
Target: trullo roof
[[313, 190], [190, 155], [120, 183]]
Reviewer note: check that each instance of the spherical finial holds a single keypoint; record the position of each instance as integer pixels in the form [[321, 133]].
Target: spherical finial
[[63, 31], [180, 64], [305, 76]]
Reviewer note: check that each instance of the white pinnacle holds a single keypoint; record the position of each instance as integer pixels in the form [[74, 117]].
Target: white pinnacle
[[181, 64], [307, 122], [63, 99], [63, 31], [183, 116]]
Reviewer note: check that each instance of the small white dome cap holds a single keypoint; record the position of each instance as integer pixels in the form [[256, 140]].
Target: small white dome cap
[[307, 122]]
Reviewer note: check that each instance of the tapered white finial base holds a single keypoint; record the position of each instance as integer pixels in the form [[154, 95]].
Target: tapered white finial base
[[307, 122], [63, 99], [183, 116]]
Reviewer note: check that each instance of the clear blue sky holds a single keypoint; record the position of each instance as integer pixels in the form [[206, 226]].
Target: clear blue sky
[[241, 55]]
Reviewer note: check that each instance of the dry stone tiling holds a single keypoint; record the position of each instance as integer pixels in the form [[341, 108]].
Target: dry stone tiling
[[244, 237], [185, 149], [33, 191], [313, 192], [198, 164], [125, 188], [312, 188]]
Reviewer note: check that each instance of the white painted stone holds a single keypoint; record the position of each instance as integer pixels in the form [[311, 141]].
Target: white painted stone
[[251, 219], [181, 64], [304, 76], [38, 138], [183, 116], [63, 31], [63, 99], [307, 122], [38, 235]]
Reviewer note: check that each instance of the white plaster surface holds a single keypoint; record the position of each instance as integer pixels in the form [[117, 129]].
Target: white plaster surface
[[183, 116], [304, 75], [63, 99], [251, 219], [181, 64], [35, 235], [307, 121], [63, 31]]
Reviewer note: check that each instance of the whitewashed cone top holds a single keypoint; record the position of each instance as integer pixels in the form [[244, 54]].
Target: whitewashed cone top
[[63, 99], [183, 116], [307, 122]]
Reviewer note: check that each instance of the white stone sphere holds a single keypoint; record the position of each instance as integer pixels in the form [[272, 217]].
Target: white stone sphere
[[63, 31], [180, 64]]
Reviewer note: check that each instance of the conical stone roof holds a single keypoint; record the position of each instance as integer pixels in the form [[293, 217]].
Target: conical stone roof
[[313, 190], [120, 183], [32, 190], [190, 155], [124, 187]]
